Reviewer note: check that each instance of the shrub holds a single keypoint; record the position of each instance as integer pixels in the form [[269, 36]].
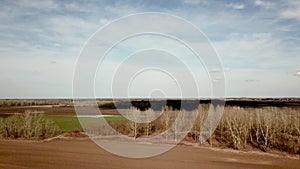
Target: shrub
[[263, 128], [29, 125]]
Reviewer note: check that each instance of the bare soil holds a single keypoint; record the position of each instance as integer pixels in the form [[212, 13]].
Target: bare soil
[[83, 153]]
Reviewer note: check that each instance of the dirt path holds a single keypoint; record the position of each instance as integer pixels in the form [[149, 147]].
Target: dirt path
[[85, 154]]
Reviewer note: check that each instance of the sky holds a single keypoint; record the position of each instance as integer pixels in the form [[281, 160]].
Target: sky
[[257, 41]]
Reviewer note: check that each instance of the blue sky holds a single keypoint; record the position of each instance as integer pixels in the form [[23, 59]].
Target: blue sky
[[257, 42]]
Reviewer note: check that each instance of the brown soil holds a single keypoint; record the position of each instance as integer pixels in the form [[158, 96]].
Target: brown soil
[[83, 153]]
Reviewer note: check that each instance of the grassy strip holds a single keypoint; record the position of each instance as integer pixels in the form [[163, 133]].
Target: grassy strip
[[71, 123]]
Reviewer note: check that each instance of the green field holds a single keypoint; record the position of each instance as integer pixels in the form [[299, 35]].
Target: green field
[[71, 123]]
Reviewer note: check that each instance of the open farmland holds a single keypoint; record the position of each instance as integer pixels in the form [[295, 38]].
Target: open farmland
[[255, 136], [76, 153]]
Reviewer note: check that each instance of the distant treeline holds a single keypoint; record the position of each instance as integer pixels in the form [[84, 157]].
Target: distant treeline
[[35, 102], [157, 104], [193, 104]]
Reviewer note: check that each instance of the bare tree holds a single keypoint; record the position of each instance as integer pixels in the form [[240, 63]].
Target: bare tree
[[167, 120], [134, 124]]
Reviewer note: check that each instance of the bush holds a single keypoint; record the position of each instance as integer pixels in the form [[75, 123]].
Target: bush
[[29, 125], [263, 128]]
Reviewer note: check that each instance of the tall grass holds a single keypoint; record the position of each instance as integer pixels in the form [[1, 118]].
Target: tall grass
[[29, 125]]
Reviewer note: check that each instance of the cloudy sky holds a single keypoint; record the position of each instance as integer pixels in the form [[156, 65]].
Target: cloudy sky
[[258, 42]]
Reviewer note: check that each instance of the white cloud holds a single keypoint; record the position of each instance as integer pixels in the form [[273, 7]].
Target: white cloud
[[45, 4], [195, 2], [105, 21], [33, 40], [264, 4], [297, 73], [256, 45], [68, 25], [257, 50], [292, 12], [236, 6], [121, 9], [77, 7]]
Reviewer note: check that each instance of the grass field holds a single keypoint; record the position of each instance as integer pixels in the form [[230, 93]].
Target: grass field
[[71, 123]]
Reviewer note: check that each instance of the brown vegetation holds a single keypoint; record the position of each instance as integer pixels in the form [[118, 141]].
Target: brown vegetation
[[268, 128], [29, 125], [265, 128], [34, 102]]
